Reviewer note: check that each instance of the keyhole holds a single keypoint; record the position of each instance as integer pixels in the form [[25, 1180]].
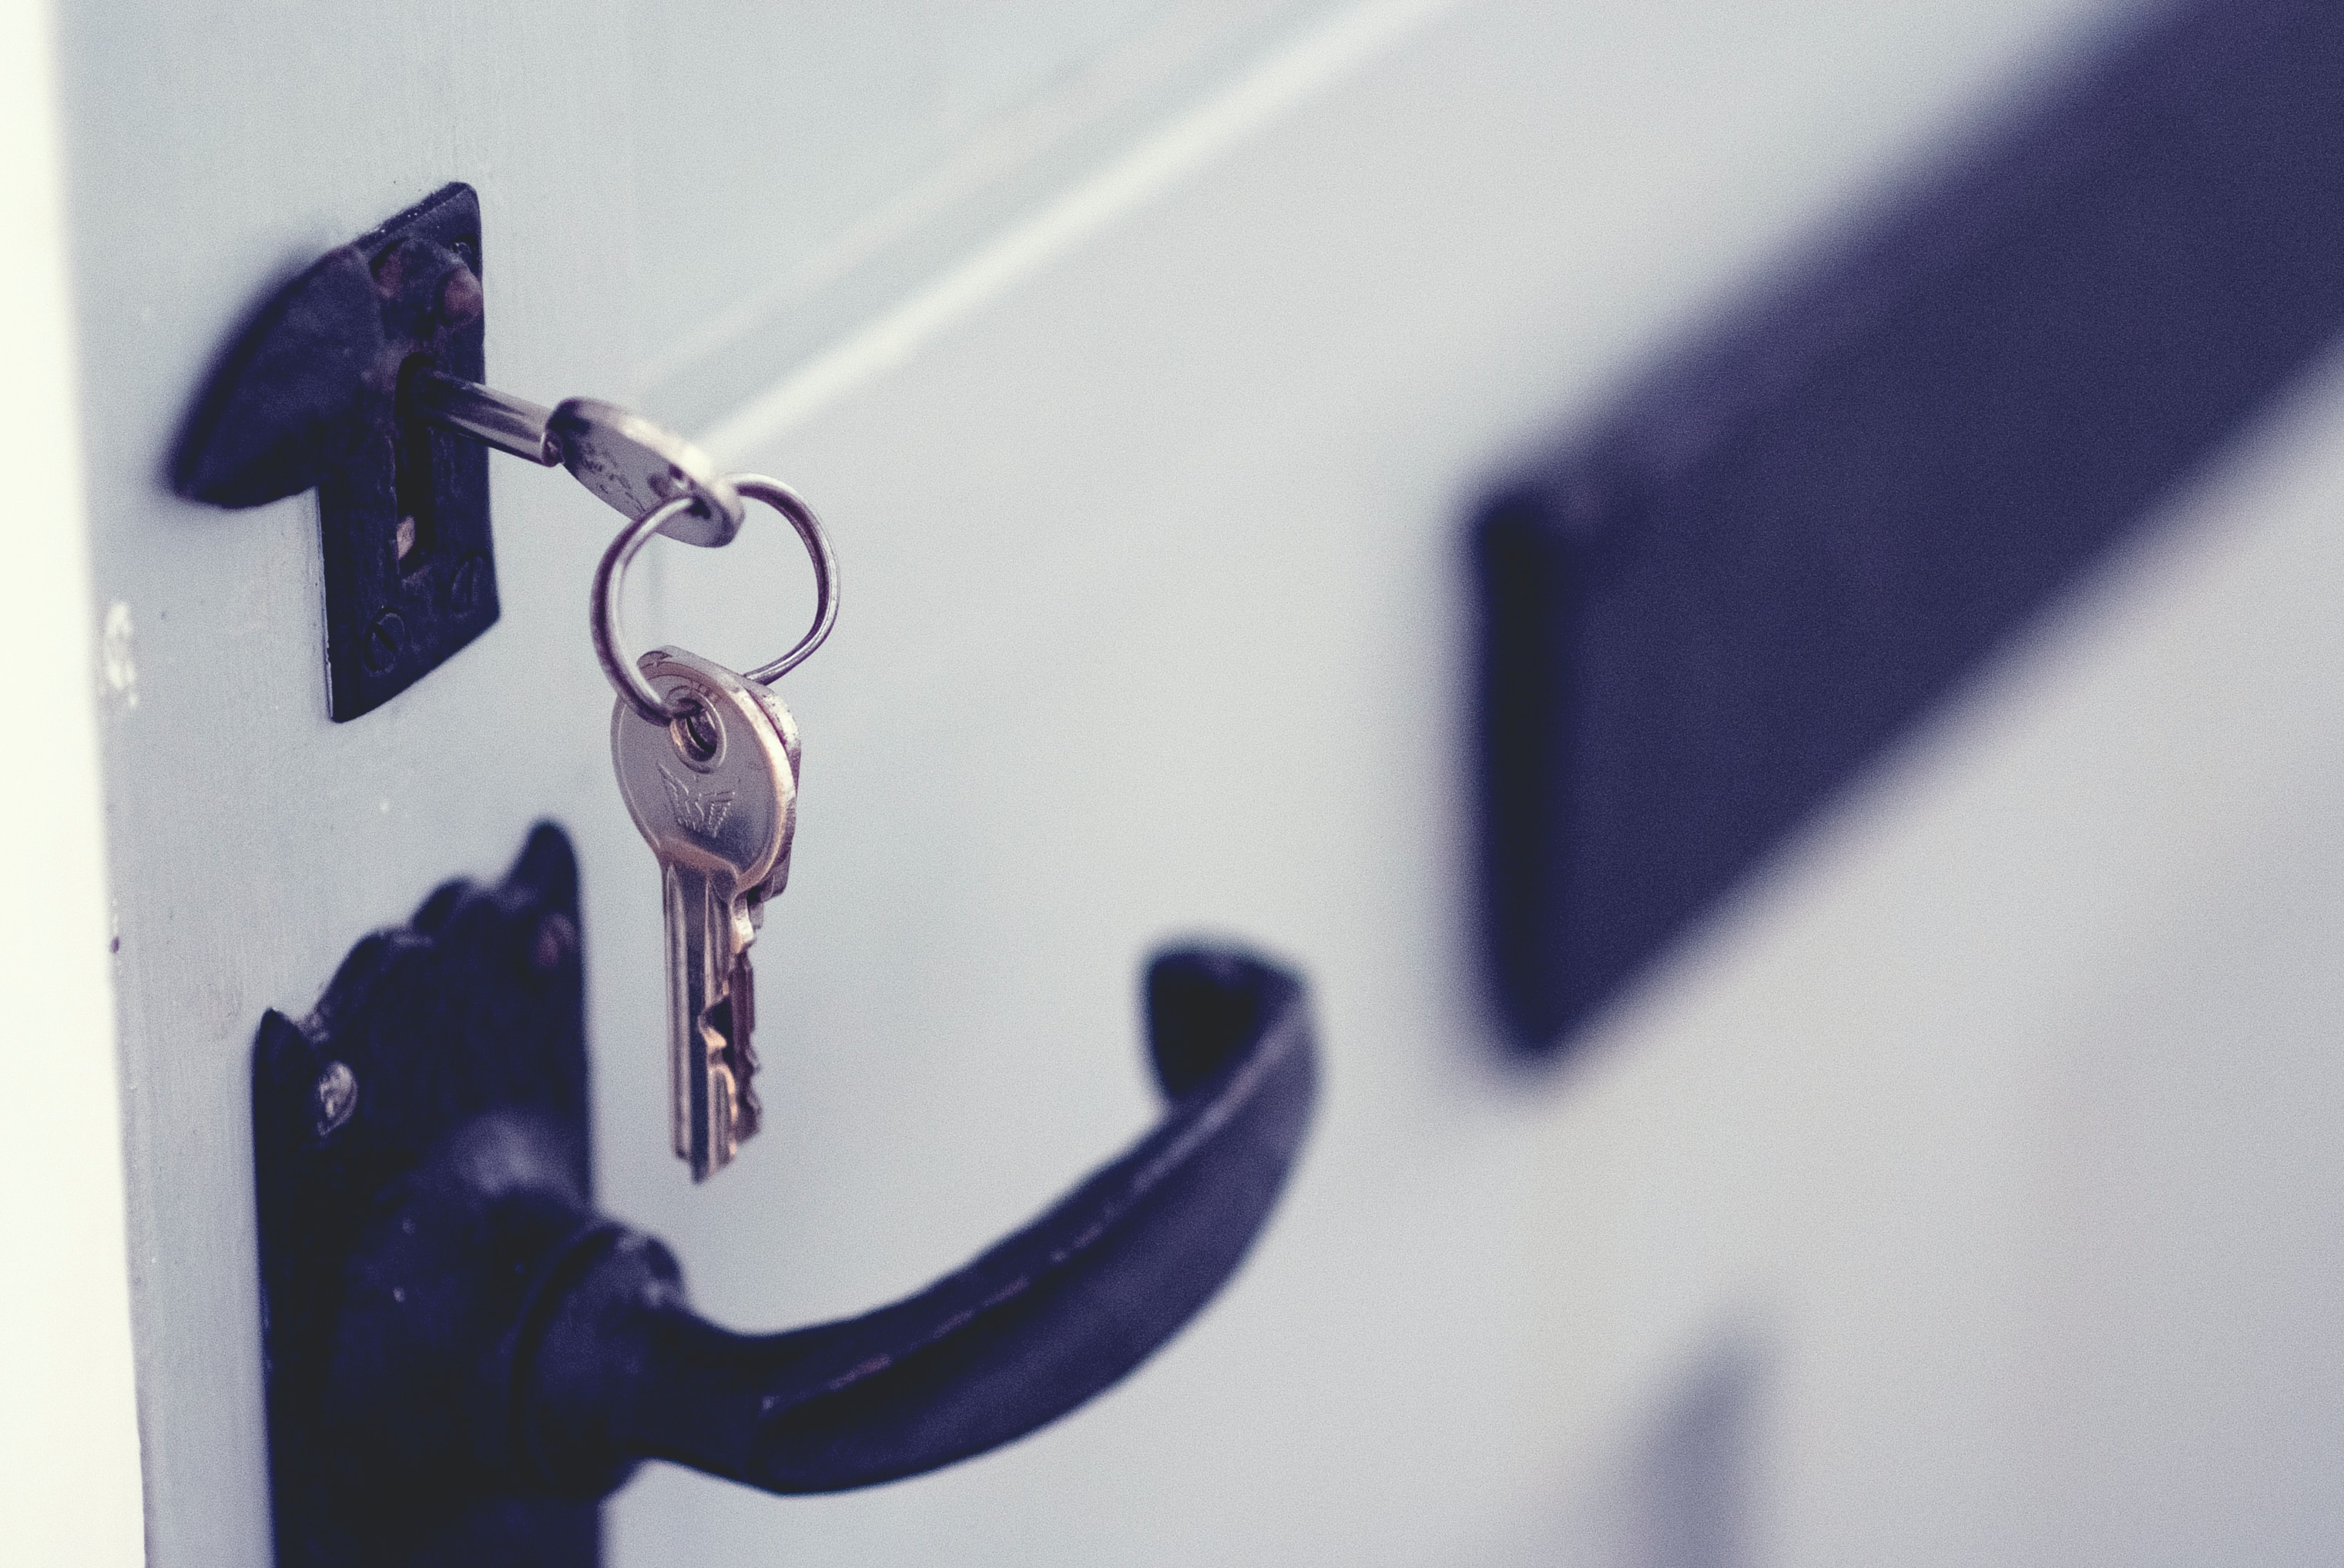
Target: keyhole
[[416, 456]]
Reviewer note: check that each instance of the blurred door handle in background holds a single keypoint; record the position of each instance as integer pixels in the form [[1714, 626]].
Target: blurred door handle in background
[[463, 1356]]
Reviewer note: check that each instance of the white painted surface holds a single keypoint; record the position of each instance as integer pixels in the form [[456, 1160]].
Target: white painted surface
[[1973, 1165], [69, 1491], [1337, 47], [863, 150]]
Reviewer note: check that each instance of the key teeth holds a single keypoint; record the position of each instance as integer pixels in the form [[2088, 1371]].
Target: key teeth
[[740, 1052], [748, 1111], [733, 1110]]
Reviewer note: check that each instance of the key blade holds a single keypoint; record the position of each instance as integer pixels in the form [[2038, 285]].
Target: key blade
[[708, 1058]]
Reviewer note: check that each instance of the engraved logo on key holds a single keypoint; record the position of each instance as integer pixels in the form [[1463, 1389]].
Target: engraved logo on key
[[697, 812]]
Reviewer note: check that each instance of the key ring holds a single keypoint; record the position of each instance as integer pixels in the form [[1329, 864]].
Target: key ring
[[609, 579]]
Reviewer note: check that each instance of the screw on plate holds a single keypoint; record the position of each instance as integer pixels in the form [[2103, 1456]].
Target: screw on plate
[[384, 638], [464, 590], [336, 1099]]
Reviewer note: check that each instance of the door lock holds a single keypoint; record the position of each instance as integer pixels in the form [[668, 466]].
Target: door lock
[[361, 378], [307, 397]]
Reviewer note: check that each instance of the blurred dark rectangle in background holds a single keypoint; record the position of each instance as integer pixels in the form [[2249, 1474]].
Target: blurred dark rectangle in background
[[1704, 615]]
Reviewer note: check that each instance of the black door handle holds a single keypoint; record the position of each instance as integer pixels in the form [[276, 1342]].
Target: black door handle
[[463, 1356]]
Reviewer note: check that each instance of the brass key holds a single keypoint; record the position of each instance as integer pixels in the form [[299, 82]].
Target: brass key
[[714, 793]]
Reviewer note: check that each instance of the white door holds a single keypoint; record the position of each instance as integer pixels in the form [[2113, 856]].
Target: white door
[[1144, 359]]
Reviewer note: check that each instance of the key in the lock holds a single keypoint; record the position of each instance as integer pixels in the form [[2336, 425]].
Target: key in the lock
[[715, 796]]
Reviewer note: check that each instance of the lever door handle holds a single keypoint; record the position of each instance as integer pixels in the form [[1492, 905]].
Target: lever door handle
[[463, 1356], [1029, 1331]]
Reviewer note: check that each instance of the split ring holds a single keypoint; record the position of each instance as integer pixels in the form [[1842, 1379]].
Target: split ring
[[609, 579]]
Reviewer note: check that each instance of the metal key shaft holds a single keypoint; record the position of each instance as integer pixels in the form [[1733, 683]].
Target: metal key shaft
[[713, 792], [625, 459], [710, 1015]]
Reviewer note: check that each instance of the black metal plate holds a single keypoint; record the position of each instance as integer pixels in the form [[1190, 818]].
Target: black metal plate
[[307, 395], [475, 1008], [390, 622]]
